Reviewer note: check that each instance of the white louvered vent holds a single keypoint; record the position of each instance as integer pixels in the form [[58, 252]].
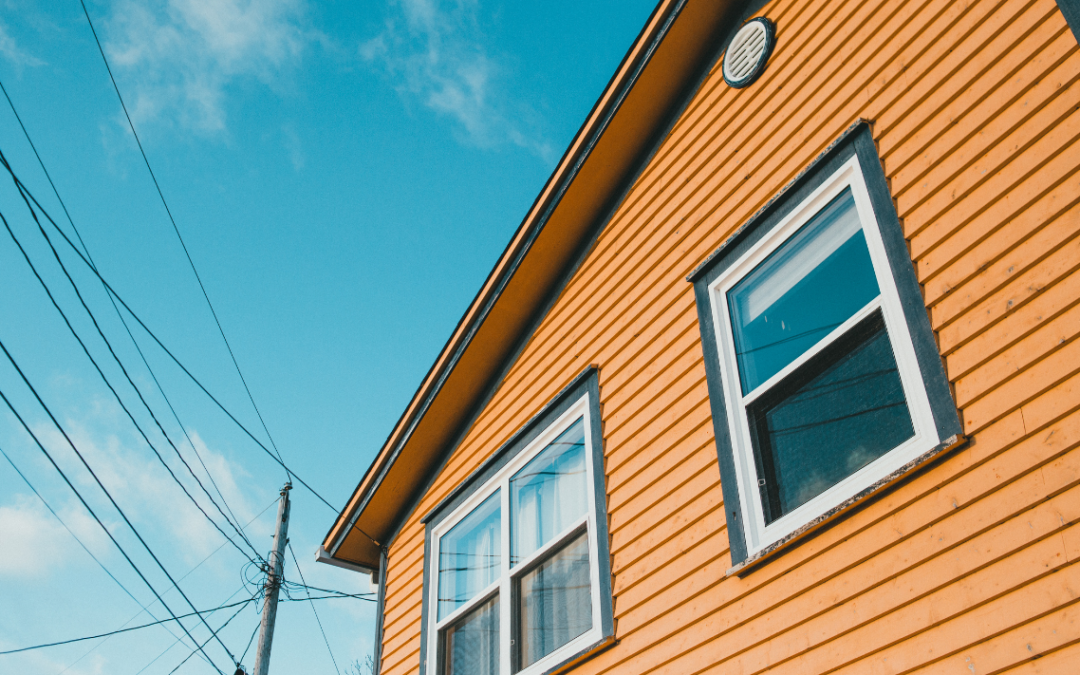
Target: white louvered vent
[[746, 55]]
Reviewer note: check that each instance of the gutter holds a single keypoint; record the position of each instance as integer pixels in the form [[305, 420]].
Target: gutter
[[321, 555]]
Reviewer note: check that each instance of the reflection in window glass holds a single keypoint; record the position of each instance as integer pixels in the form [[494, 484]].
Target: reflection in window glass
[[556, 602], [843, 410], [810, 285], [472, 644], [469, 556], [549, 493]]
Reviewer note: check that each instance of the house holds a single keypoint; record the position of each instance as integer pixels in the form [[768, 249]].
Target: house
[[779, 373]]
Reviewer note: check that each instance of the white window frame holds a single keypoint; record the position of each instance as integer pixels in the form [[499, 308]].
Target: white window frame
[[760, 535], [507, 575]]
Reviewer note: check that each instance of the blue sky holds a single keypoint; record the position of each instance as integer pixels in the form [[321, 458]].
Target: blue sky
[[345, 175]]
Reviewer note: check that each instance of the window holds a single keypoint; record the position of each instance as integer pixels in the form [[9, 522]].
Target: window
[[823, 375], [517, 576]]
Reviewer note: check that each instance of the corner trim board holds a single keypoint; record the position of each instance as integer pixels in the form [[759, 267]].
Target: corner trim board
[[380, 614]]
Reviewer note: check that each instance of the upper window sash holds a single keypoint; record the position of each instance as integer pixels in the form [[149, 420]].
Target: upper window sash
[[509, 573], [758, 534]]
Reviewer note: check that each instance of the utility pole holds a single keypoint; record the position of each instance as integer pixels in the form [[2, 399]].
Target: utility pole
[[273, 584]]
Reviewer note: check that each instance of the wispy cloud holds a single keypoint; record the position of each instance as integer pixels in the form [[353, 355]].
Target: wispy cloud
[[34, 540], [36, 544], [182, 56], [14, 54], [435, 52]]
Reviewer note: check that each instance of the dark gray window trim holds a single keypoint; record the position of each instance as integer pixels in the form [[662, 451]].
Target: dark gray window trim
[[587, 382], [857, 140], [1070, 9]]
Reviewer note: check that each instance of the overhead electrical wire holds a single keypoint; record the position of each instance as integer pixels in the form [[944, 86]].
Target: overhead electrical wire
[[146, 405], [101, 485], [176, 229], [175, 642], [93, 514], [312, 603], [112, 292], [112, 301], [126, 630], [251, 641], [204, 612], [199, 647], [292, 585], [108, 384], [70, 531], [214, 635], [356, 596], [157, 340], [89, 552], [186, 575]]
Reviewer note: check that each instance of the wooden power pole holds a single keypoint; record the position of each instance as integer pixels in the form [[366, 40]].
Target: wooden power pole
[[273, 585]]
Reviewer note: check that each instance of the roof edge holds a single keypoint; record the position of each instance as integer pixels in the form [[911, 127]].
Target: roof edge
[[577, 152]]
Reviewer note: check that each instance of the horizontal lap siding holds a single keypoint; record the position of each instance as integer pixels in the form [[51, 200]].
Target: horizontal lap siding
[[967, 566]]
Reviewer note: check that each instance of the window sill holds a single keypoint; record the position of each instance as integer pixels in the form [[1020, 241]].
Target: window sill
[[774, 549], [582, 656]]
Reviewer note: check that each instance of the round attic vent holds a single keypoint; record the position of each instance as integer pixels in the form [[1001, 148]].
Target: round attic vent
[[749, 51]]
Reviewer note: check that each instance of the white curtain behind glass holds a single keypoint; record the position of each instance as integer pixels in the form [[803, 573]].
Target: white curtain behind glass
[[549, 493], [469, 556]]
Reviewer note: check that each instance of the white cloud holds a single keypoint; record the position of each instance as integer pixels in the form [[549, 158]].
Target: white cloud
[[35, 543], [434, 51], [41, 661], [183, 55], [143, 488], [294, 147], [13, 53]]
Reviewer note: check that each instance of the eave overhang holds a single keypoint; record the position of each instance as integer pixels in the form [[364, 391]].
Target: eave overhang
[[676, 45]]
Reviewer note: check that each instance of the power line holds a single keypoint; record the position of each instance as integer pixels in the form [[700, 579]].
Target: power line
[[177, 641], [125, 630], [89, 552], [338, 596], [70, 531], [251, 640], [176, 229], [212, 636], [105, 379], [146, 405], [92, 513], [112, 301], [28, 194], [312, 603], [97, 480], [292, 585], [157, 340], [144, 608]]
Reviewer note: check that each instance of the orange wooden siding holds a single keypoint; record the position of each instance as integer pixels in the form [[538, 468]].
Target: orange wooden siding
[[967, 566]]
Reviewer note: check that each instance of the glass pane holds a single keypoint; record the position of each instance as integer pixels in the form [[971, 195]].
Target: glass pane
[[469, 556], [556, 602], [810, 285], [471, 646], [548, 494], [840, 412]]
